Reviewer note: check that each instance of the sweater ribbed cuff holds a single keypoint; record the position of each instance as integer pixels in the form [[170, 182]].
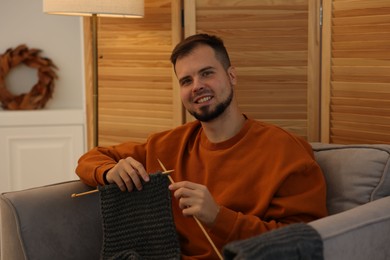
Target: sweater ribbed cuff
[[224, 223]]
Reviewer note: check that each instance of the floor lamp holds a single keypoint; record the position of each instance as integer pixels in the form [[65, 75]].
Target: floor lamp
[[94, 8]]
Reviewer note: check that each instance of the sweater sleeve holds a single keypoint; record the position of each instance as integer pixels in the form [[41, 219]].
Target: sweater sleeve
[[93, 164], [300, 198]]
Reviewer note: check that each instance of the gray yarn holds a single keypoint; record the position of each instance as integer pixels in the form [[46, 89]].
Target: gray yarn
[[139, 224]]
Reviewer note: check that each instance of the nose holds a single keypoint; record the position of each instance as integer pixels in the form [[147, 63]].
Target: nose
[[198, 85]]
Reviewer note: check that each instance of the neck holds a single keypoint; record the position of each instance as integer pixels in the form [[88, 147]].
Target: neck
[[224, 127]]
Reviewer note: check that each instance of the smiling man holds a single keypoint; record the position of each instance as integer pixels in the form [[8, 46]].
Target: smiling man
[[239, 177], [205, 70]]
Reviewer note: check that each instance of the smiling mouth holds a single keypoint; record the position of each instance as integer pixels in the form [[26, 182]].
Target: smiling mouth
[[203, 99]]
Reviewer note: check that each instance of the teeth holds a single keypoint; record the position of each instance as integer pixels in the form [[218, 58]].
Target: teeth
[[204, 99]]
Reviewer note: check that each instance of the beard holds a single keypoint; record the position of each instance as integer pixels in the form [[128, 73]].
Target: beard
[[208, 114]]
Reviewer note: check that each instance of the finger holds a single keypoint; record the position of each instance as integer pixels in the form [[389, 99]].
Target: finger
[[188, 208], [120, 182], [121, 185], [130, 174], [189, 211], [135, 178], [187, 184], [186, 193], [113, 176], [184, 203], [177, 185], [139, 168], [126, 180]]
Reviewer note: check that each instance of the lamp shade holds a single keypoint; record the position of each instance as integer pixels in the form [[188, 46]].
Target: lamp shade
[[121, 8]]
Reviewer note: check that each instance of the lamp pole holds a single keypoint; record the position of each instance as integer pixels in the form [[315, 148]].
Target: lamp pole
[[117, 8], [95, 84]]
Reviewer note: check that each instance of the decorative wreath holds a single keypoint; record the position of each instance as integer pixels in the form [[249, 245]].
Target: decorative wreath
[[41, 92]]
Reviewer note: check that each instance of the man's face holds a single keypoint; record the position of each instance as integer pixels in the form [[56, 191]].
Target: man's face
[[206, 88]]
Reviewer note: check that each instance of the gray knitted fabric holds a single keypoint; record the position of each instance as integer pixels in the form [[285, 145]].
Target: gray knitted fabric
[[293, 242], [139, 224]]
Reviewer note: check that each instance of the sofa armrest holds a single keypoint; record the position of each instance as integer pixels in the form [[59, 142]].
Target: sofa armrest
[[46, 223], [358, 233]]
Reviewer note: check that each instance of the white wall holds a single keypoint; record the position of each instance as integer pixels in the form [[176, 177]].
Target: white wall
[[55, 135], [60, 39]]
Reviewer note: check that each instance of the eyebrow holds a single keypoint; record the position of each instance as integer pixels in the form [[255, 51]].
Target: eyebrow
[[206, 68]]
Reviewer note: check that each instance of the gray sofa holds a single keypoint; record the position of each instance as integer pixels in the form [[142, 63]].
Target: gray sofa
[[46, 223]]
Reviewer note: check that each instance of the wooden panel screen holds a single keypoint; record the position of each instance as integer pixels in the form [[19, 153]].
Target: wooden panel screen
[[269, 45], [358, 86], [137, 94]]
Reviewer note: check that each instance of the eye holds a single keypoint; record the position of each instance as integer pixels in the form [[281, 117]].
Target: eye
[[185, 82], [207, 73]]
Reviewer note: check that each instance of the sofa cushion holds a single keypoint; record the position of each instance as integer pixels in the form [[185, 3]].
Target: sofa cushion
[[355, 174], [47, 223]]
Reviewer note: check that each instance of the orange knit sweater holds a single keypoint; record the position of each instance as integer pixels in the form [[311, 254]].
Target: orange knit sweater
[[263, 178]]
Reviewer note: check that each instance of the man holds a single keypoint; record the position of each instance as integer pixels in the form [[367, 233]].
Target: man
[[237, 176]]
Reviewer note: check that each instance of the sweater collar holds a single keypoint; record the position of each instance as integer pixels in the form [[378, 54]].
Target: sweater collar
[[204, 141]]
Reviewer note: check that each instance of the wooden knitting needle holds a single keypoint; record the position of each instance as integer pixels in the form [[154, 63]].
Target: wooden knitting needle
[[164, 169], [196, 219], [74, 195]]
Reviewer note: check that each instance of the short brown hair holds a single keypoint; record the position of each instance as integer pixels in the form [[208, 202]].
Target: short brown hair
[[190, 43]]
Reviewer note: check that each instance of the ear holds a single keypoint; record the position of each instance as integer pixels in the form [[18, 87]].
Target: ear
[[232, 75]]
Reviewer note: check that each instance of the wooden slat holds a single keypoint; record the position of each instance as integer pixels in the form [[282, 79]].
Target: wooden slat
[[359, 84], [268, 44], [136, 84]]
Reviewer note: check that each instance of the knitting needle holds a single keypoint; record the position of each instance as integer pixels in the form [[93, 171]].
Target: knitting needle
[[196, 219], [164, 169], [74, 195]]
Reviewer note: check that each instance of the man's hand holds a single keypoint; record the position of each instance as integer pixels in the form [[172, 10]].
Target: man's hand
[[195, 200], [127, 173]]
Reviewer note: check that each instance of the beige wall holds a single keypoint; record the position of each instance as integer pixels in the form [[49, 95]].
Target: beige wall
[[59, 38]]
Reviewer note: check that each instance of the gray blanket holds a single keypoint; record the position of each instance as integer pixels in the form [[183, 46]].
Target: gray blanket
[[294, 242]]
